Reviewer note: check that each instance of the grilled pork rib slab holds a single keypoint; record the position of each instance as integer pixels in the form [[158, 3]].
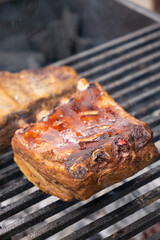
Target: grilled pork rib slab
[[83, 146], [24, 94]]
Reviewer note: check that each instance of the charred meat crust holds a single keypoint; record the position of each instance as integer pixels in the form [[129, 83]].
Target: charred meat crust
[[28, 92], [84, 145]]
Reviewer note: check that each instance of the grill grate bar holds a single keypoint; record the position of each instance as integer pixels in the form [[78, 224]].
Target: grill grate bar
[[21, 204], [58, 206], [8, 168], [8, 176], [117, 51], [148, 71], [150, 107], [153, 107], [6, 155], [6, 160], [136, 87], [122, 40], [143, 97], [136, 227], [34, 218], [154, 121], [129, 57], [115, 74], [102, 201], [14, 189], [114, 216]]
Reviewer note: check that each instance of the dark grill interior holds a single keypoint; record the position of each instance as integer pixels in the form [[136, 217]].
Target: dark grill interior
[[128, 68]]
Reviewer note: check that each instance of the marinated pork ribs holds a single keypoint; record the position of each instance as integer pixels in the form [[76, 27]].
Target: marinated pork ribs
[[24, 94], [83, 146]]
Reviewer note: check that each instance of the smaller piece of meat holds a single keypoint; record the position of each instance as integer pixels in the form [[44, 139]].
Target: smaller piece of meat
[[86, 144]]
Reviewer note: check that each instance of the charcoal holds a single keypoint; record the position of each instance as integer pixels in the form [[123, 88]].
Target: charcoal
[[82, 44], [70, 22], [54, 44], [57, 40]]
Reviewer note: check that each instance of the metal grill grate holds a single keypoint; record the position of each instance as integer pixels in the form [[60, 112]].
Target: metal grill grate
[[128, 68]]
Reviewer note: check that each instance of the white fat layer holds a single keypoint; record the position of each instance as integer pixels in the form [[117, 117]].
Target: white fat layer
[[82, 84]]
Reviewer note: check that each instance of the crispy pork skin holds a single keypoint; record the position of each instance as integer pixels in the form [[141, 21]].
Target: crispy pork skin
[[24, 94], [86, 144]]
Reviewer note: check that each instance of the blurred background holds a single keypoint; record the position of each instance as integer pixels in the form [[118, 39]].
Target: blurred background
[[35, 33]]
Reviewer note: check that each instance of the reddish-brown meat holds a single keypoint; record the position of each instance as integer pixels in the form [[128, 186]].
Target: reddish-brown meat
[[24, 94], [83, 146]]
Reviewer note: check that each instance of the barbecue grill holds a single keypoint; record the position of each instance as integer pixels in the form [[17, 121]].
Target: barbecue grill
[[128, 68]]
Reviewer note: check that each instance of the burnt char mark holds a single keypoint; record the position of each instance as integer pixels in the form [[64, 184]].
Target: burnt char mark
[[52, 111], [91, 145], [28, 127], [86, 152], [45, 118], [101, 158], [22, 130], [75, 105], [122, 150], [111, 112], [49, 155], [140, 135], [80, 172], [77, 157], [92, 86]]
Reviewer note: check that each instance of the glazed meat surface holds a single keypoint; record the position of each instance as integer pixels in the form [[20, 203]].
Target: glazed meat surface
[[83, 146], [24, 94]]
